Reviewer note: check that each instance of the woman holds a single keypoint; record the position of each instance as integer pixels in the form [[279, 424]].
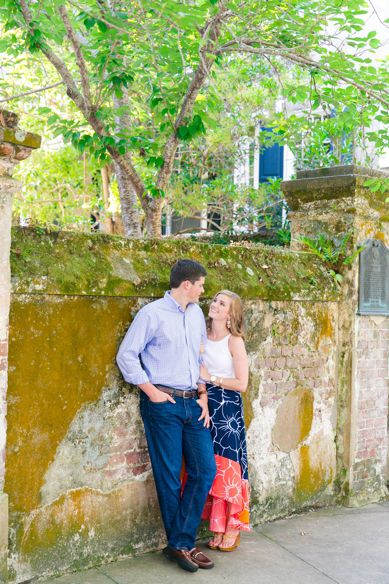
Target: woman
[[225, 369]]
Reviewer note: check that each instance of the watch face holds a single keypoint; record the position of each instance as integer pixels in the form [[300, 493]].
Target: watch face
[[213, 378]]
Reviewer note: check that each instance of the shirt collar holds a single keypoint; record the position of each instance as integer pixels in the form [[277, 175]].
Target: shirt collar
[[173, 303]]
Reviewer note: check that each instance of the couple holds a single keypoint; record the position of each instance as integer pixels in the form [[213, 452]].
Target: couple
[[162, 352]]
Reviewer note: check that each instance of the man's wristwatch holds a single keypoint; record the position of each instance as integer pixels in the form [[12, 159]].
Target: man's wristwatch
[[213, 378]]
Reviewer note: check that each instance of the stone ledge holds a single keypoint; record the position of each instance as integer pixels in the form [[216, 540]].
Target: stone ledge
[[20, 137], [94, 265], [326, 184], [341, 171]]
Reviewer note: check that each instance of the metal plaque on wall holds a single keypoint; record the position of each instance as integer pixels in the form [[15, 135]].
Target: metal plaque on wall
[[374, 279]]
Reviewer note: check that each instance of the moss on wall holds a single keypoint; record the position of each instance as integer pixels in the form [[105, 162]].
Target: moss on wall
[[85, 527], [91, 264], [74, 296], [61, 351]]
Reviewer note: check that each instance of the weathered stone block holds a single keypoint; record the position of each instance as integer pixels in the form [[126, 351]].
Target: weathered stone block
[[21, 137], [21, 153], [6, 150], [294, 419]]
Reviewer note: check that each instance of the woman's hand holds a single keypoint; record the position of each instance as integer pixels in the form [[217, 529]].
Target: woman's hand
[[205, 376], [203, 403]]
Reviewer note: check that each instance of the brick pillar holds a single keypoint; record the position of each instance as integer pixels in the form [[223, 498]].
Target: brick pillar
[[334, 202], [15, 145]]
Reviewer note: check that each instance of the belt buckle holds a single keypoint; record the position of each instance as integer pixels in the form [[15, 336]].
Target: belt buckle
[[188, 392]]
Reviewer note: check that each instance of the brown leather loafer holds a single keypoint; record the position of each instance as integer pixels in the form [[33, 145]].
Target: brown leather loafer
[[201, 559], [182, 557]]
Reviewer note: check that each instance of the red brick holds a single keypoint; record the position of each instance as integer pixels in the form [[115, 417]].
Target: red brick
[[260, 363], [3, 364], [125, 417], [275, 375], [280, 362], [3, 349], [143, 442], [112, 475], [6, 150], [265, 401], [286, 351], [269, 363], [116, 460], [299, 351], [132, 457], [269, 388], [140, 469], [125, 445], [292, 363], [271, 351], [121, 431]]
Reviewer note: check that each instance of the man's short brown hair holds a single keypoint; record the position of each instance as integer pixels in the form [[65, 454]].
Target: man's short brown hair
[[186, 270]]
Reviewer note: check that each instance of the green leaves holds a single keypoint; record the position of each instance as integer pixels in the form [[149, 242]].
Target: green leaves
[[188, 132], [89, 23], [378, 185], [334, 257]]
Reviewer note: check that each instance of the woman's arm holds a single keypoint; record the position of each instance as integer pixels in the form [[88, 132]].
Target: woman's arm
[[241, 368]]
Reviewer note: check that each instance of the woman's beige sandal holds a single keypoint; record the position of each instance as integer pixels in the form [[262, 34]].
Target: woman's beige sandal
[[227, 537], [215, 541]]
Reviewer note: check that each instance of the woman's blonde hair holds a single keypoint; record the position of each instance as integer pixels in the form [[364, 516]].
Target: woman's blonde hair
[[237, 327]]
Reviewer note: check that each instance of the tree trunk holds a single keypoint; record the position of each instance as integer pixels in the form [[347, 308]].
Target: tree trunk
[[107, 219], [154, 217], [128, 202]]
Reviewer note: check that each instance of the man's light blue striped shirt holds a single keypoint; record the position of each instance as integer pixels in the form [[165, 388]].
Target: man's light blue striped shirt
[[165, 339]]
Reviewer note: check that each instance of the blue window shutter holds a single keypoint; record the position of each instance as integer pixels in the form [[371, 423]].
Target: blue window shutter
[[271, 162]]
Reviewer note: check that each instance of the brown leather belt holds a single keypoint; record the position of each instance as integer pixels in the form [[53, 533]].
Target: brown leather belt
[[177, 392]]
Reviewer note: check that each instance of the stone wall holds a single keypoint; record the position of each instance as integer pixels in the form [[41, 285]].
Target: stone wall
[[15, 145], [335, 202], [78, 474]]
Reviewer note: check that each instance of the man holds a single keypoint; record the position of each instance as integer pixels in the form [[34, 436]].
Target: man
[[160, 353]]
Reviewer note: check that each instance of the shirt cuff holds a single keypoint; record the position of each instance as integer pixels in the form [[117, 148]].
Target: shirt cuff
[[138, 379]]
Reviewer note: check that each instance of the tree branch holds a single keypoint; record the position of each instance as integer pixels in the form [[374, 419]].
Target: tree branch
[[212, 30], [32, 91], [78, 54], [57, 63], [300, 60]]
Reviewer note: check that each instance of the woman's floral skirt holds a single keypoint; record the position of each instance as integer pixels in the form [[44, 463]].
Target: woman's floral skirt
[[231, 483]]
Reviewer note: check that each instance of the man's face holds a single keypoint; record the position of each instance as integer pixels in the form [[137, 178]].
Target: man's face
[[195, 290]]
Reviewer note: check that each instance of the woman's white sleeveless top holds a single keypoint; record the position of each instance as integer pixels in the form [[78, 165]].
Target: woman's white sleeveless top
[[218, 359]]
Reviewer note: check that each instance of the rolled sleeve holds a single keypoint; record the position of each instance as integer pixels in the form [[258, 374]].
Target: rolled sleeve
[[136, 339]]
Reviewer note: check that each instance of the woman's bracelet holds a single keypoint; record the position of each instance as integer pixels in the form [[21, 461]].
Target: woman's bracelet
[[221, 381]]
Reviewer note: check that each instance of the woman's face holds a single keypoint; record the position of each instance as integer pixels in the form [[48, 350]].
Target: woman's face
[[220, 306]]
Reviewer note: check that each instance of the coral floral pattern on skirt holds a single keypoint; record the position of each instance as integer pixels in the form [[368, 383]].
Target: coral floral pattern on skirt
[[231, 483]]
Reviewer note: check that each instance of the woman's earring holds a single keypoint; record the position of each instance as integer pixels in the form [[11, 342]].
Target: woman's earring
[[228, 322]]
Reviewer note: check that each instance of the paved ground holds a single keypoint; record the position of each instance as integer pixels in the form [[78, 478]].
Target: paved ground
[[345, 546]]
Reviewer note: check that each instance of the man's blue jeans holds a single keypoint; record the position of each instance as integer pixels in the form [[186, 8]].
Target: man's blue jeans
[[173, 430]]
